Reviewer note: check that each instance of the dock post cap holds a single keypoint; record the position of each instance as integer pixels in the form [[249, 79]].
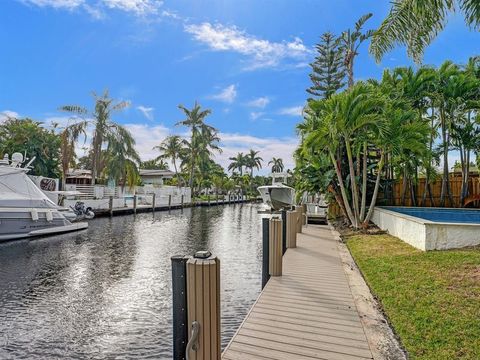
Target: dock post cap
[[177, 257], [202, 254]]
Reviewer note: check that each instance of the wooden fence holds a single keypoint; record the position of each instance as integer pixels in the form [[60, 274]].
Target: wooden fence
[[394, 196]]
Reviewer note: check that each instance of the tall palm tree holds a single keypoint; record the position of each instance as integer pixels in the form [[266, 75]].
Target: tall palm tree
[[199, 133], [351, 40], [173, 148], [277, 165], [69, 137], [416, 23], [238, 162], [253, 161], [105, 129]]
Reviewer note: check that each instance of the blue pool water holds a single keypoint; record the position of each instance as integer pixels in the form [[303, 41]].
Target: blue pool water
[[441, 215]]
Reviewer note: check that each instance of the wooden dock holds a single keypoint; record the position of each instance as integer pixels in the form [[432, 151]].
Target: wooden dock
[[308, 313]]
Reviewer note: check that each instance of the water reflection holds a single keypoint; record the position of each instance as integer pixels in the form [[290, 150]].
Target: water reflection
[[106, 292]]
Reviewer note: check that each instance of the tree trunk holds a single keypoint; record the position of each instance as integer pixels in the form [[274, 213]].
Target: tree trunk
[[404, 186], [364, 182], [353, 184], [375, 193], [343, 191]]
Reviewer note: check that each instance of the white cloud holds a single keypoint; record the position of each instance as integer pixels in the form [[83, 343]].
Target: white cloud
[[139, 7], [227, 95], [260, 102], [254, 115], [291, 111], [260, 53], [7, 114], [146, 111], [57, 4], [95, 8], [146, 137]]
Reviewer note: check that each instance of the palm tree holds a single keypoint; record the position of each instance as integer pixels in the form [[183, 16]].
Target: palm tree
[[69, 137], [416, 23], [277, 165], [173, 148], [238, 162], [202, 135], [105, 129], [122, 159], [253, 161], [154, 164], [350, 43]]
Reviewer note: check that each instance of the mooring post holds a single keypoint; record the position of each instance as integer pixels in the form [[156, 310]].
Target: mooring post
[[299, 223], [169, 201], [265, 251], [181, 202], [110, 205], [179, 297], [291, 229], [153, 202], [203, 307], [304, 214], [135, 203], [284, 231], [275, 247]]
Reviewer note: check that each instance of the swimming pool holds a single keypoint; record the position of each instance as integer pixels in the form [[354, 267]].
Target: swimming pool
[[430, 228], [445, 215]]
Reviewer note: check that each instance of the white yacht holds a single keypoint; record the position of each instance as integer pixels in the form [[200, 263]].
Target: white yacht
[[25, 211], [278, 195]]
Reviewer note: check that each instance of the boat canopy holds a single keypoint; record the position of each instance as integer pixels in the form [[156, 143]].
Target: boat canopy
[[18, 191]]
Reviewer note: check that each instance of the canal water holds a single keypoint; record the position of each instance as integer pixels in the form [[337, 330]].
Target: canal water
[[105, 293]]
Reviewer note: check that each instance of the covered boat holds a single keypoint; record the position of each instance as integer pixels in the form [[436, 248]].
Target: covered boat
[[25, 211]]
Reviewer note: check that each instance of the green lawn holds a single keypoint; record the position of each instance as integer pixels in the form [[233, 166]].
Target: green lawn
[[431, 298]]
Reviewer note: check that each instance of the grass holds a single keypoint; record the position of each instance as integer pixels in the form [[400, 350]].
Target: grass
[[431, 298]]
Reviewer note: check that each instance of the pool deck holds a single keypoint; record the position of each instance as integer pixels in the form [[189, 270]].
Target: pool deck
[[308, 313]]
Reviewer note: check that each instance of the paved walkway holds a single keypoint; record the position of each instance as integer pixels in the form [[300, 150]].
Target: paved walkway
[[308, 313]]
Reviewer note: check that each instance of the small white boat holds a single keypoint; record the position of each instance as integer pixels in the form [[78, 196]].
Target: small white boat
[[25, 211], [278, 195]]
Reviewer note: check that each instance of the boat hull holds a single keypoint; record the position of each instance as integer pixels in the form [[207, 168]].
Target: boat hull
[[19, 224], [277, 197]]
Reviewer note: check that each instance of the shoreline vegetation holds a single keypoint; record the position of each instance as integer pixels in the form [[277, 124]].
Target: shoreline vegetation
[[112, 157]]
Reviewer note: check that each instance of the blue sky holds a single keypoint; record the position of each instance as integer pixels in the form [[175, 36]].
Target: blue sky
[[247, 60]]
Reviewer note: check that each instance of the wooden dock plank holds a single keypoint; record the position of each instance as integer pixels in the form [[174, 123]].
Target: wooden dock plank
[[308, 313]]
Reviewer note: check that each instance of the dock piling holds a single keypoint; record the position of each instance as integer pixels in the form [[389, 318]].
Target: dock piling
[[110, 205], [284, 231], [203, 307], [135, 203], [153, 202], [265, 251], [179, 298], [292, 229], [275, 247], [169, 202]]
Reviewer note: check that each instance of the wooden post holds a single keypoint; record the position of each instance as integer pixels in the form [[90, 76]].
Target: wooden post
[[135, 203], [208, 199], [181, 203], [304, 214], [265, 251], [275, 247], [169, 201], [153, 202], [110, 205], [291, 229], [179, 305], [299, 219], [284, 231], [203, 307]]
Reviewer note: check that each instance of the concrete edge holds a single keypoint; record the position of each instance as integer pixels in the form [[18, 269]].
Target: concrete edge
[[384, 343]]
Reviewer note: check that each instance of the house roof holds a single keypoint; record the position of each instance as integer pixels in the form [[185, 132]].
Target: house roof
[[159, 173]]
